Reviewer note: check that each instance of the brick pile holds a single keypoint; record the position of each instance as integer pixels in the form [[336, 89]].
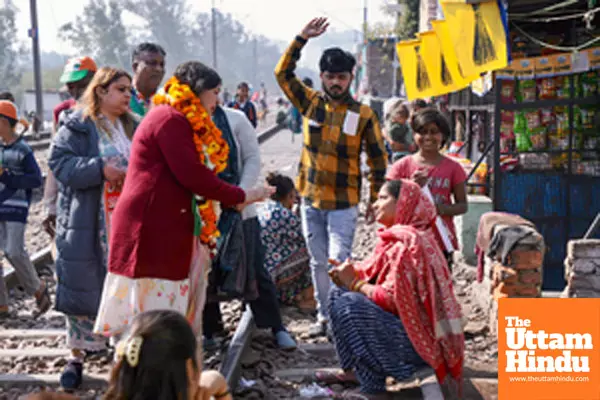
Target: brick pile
[[521, 277], [582, 268]]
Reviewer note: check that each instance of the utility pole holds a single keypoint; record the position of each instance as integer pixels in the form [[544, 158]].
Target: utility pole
[[34, 34], [365, 23], [255, 65], [214, 34]]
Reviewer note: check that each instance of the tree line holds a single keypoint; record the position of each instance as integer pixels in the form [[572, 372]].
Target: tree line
[[101, 31]]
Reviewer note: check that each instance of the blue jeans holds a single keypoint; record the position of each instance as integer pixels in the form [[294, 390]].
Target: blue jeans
[[329, 235]]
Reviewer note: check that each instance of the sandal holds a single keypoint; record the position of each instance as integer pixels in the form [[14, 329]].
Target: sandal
[[43, 303], [335, 377], [72, 376]]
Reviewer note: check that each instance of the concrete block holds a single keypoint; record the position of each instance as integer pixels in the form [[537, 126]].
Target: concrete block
[[582, 266], [582, 282], [468, 224], [583, 248], [585, 294]]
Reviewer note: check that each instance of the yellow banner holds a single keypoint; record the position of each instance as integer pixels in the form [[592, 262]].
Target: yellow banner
[[477, 36], [443, 36], [416, 77]]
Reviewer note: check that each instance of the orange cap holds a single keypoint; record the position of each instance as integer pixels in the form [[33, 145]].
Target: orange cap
[[8, 109], [77, 68]]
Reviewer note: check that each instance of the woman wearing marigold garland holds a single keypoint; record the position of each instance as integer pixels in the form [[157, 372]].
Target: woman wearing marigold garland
[[163, 233]]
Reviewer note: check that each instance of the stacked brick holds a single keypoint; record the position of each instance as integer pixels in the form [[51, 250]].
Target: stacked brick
[[582, 268], [522, 277]]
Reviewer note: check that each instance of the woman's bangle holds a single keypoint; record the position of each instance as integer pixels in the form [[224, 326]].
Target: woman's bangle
[[356, 286]]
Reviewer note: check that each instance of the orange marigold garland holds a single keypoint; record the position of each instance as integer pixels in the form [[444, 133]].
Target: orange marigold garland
[[213, 150]]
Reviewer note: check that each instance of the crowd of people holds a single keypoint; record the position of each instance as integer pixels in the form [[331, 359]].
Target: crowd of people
[[151, 202]]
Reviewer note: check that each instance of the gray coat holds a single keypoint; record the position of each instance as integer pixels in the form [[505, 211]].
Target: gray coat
[[80, 266]]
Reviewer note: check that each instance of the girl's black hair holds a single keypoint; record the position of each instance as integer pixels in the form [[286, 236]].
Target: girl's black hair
[[282, 183], [168, 343], [393, 188], [197, 76], [427, 116]]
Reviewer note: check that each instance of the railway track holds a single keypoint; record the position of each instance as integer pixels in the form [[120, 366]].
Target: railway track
[[36, 356], [33, 353]]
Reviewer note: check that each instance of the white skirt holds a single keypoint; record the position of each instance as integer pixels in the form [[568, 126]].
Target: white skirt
[[123, 298]]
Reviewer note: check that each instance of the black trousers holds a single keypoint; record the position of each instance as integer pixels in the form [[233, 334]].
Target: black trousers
[[265, 308]]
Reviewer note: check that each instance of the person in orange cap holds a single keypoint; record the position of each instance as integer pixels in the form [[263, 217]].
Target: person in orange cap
[[77, 75], [19, 175]]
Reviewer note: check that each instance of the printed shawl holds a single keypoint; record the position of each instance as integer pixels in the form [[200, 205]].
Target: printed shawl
[[421, 286]]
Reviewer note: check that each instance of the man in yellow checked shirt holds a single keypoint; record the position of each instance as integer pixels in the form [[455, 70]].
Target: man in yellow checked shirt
[[335, 131]]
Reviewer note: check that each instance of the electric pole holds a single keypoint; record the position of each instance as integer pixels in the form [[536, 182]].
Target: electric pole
[[214, 34], [34, 34], [255, 53]]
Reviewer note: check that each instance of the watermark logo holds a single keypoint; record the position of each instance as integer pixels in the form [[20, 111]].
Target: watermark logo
[[549, 349]]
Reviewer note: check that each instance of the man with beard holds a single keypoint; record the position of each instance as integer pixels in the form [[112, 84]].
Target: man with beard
[[329, 179], [148, 64], [78, 73]]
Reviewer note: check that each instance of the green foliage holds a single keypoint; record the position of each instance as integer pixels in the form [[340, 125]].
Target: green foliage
[[99, 32], [405, 25]]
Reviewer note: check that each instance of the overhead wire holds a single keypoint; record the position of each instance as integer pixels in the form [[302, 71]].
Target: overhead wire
[[555, 47], [585, 14]]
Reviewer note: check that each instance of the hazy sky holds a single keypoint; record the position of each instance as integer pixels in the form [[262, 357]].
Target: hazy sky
[[277, 19]]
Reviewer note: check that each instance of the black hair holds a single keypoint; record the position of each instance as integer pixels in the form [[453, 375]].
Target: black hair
[[149, 47], [7, 96], [168, 343], [197, 76], [308, 82], [11, 122], [420, 103], [337, 60], [393, 188], [283, 184], [243, 85], [428, 116], [280, 101]]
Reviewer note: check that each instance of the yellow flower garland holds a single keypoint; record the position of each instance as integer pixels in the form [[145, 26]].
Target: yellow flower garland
[[212, 149]]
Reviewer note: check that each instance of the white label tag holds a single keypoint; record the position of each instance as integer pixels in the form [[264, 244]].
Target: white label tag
[[351, 123]]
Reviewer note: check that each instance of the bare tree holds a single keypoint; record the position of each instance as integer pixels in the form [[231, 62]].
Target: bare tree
[[11, 51], [99, 32]]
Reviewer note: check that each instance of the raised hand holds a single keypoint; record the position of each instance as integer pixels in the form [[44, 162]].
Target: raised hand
[[316, 27]]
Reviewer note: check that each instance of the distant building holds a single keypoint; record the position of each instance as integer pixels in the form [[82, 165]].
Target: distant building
[[381, 56], [50, 99], [429, 10]]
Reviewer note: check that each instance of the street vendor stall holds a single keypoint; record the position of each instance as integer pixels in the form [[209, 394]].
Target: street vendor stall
[[520, 78], [547, 123]]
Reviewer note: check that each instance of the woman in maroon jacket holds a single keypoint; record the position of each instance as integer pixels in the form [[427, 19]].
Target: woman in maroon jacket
[[162, 232]]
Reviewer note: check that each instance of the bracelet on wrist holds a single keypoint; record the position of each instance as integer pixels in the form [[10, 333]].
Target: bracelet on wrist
[[356, 286]]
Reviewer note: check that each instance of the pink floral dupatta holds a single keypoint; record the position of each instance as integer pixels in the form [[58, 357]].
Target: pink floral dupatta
[[421, 287]]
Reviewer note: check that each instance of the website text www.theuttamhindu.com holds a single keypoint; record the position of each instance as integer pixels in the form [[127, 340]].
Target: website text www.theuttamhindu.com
[[557, 379]]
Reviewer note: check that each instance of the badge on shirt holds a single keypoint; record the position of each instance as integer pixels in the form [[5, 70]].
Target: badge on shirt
[[351, 123]]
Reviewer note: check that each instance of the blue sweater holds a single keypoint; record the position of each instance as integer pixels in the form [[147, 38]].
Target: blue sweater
[[21, 175]]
